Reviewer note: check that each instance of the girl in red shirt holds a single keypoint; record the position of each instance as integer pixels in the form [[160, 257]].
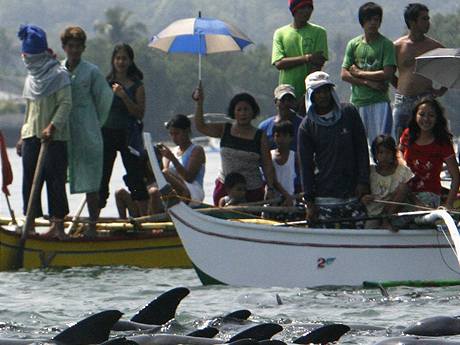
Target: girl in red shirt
[[426, 145]]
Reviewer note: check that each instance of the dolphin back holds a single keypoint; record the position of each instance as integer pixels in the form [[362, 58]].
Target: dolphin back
[[94, 329]]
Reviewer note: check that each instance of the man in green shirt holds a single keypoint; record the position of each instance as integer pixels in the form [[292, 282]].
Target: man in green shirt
[[299, 48], [48, 102], [369, 66]]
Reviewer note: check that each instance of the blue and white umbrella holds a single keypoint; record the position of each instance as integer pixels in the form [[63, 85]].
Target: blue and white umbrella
[[200, 36]]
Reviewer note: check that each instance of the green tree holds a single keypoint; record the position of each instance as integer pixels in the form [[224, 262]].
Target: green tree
[[117, 27]]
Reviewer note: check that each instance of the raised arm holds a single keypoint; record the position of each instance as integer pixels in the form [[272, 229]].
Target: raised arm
[[136, 108], [214, 130]]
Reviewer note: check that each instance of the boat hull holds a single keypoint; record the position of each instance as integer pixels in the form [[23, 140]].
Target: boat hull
[[155, 249], [262, 255]]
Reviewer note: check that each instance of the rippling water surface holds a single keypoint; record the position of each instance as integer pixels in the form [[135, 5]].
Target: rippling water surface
[[37, 304]]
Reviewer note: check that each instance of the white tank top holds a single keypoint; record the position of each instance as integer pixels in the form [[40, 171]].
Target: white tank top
[[285, 173]]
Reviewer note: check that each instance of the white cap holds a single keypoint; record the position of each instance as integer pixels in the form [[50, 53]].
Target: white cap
[[317, 79]]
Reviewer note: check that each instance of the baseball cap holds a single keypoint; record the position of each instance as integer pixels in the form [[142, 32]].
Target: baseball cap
[[284, 89]]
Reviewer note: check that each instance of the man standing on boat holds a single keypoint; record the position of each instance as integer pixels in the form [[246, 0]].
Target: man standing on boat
[[411, 87], [333, 155], [369, 65], [91, 102], [299, 48], [48, 97]]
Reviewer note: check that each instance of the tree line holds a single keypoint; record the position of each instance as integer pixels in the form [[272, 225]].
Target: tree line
[[170, 79]]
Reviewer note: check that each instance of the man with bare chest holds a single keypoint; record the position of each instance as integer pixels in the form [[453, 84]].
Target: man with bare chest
[[411, 87]]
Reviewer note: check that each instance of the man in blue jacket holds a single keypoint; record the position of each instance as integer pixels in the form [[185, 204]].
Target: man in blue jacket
[[333, 155]]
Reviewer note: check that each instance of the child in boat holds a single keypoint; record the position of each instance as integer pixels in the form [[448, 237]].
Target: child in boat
[[427, 144], [283, 158], [389, 179], [235, 186], [123, 198]]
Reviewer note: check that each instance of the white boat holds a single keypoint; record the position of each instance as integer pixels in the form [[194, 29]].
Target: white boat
[[258, 255]]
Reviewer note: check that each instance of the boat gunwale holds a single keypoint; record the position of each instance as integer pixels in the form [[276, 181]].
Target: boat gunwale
[[312, 231], [132, 236]]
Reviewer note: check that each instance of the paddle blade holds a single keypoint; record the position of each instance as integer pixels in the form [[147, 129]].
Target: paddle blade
[[242, 314], [162, 309], [207, 332], [94, 329], [323, 335], [259, 332]]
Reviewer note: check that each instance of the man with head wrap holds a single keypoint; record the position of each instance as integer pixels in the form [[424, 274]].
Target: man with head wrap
[[333, 154], [48, 103], [299, 48]]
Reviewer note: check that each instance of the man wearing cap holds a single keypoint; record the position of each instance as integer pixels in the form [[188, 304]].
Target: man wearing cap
[[48, 103], [333, 155], [285, 103], [299, 48]]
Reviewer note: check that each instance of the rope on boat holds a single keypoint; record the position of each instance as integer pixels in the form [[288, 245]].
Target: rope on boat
[[411, 205]]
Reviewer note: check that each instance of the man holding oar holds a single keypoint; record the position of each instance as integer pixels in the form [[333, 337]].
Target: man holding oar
[[333, 155], [48, 102]]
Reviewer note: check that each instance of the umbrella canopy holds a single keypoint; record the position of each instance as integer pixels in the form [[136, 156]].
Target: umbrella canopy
[[442, 65], [200, 36]]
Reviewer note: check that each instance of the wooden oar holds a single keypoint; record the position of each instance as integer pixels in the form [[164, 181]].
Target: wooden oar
[[34, 195], [10, 209], [75, 218]]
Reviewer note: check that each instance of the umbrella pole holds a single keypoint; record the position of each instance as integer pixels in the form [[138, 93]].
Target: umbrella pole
[[199, 67]]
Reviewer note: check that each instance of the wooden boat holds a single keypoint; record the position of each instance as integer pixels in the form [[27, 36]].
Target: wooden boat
[[157, 245], [260, 255]]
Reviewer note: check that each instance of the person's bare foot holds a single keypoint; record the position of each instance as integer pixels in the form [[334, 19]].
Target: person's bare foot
[[91, 231], [56, 230]]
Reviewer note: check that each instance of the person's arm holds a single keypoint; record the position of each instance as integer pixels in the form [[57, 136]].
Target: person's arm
[[196, 161], [452, 168], [305, 152], [316, 59], [215, 130], [361, 153], [349, 78], [136, 108], [61, 113], [381, 75], [266, 162], [102, 95]]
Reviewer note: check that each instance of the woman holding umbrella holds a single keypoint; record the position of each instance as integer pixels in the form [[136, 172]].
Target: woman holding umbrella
[[243, 147]]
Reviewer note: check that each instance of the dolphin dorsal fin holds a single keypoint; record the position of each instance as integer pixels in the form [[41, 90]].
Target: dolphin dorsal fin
[[242, 314], [94, 329], [161, 309], [323, 335], [259, 332]]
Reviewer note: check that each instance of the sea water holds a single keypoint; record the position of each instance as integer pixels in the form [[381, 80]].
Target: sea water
[[40, 303]]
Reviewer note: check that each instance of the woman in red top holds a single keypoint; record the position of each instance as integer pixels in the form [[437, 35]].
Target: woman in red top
[[426, 145]]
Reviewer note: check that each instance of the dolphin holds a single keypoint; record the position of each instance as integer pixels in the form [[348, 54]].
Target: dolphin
[[416, 341], [323, 335], [260, 334], [435, 326], [161, 310], [94, 329]]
